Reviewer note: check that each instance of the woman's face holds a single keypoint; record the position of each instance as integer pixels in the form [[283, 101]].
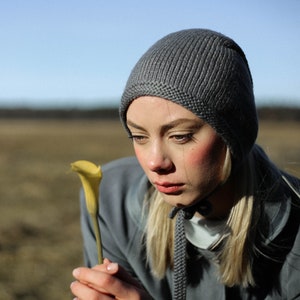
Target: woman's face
[[182, 155]]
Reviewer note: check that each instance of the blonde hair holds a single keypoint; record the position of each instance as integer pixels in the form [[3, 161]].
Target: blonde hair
[[236, 250], [235, 257], [159, 235]]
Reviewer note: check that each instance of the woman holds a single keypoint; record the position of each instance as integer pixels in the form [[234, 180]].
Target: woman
[[202, 213]]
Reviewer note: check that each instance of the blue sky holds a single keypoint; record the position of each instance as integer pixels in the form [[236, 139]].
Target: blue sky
[[80, 53]]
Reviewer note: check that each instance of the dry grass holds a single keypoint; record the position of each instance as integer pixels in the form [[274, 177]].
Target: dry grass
[[40, 240], [281, 141]]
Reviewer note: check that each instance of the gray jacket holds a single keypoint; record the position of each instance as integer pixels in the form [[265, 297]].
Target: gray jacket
[[122, 193]]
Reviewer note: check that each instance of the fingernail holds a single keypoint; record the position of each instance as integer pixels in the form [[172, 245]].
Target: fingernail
[[106, 261], [76, 272], [112, 267]]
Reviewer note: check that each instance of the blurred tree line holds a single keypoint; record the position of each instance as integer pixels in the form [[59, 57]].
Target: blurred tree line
[[264, 113]]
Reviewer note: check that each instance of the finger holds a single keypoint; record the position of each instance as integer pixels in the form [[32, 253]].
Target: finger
[[84, 292], [97, 277], [107, 283], [119, 271]]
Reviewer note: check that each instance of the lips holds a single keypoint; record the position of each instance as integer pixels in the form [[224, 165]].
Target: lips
[[168, 188]]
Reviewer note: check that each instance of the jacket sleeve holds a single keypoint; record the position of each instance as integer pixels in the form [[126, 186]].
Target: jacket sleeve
[[291, 270]]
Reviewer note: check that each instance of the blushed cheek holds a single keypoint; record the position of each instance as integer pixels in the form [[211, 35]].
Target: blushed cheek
[[210, 155], [198, 156], [139, 156]]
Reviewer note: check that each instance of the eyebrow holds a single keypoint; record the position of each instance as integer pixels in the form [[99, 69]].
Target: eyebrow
[[132, 124], [196, 124]]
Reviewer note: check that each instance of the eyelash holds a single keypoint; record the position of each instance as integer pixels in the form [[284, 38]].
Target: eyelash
[[179, 138], [137, 138], [183, 138]]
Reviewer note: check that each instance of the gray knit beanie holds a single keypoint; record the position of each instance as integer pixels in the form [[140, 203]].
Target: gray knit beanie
[[205, 72]]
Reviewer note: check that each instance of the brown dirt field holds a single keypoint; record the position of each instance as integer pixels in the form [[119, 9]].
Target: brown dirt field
[[40, 240]]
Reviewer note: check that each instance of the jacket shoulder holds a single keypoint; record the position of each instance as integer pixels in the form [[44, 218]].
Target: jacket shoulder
[[121, 165], [123, 187]]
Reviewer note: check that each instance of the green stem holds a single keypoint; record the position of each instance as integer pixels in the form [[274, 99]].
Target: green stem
[[98, 238]]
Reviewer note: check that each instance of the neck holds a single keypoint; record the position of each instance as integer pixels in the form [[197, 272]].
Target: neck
[[215, 206], [221, 201]]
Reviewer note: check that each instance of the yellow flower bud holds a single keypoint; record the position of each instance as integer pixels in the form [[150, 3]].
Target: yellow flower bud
[[90, 176]]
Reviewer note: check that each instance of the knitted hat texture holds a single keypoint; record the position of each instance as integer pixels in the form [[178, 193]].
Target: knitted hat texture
[[205, 72]]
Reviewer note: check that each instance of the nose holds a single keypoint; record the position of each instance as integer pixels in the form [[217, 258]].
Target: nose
[[159, 160]]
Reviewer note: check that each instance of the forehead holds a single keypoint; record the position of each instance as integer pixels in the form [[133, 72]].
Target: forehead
[[151, 105]]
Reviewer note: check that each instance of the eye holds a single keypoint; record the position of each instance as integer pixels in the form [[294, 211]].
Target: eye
[[138, 139], [182, 138]]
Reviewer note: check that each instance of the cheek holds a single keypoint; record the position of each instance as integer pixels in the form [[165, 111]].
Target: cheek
[[139, 156], [195, 157], [207, 154]]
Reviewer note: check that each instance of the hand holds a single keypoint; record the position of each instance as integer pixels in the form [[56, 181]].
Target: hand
[[106, 281]]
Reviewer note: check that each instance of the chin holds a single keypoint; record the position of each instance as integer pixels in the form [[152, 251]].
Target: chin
[[178, 201]]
